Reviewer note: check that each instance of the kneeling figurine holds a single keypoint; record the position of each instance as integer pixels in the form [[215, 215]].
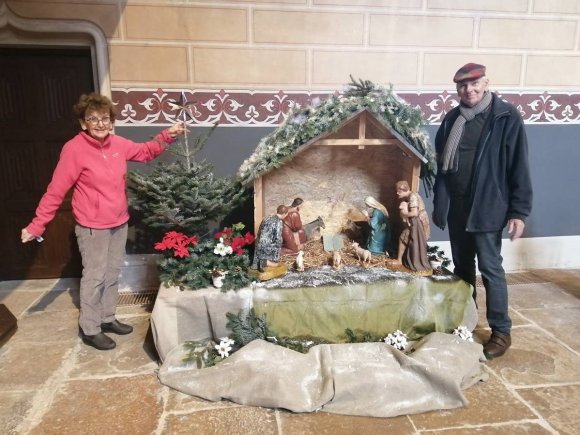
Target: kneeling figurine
[[269, 240]]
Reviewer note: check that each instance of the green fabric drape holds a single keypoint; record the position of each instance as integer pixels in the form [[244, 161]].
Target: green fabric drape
[[417, 307]]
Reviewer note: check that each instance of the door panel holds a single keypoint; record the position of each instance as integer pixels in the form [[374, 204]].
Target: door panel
[[38, 88]]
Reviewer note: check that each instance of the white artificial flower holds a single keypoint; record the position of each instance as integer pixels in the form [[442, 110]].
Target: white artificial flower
[[397, 339], [224, 347], [227, 340], [463, 333], [220, 249]]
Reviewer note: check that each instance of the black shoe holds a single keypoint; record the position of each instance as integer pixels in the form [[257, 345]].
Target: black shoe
[[116, 327], [99, 341]]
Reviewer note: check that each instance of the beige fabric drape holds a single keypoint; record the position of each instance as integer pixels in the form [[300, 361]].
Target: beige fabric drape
[[367, 379]]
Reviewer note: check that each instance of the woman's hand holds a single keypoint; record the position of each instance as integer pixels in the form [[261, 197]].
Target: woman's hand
[[25, 236], [177, 129]]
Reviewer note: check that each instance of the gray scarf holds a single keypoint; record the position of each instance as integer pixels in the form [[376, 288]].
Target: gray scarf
[[450, 162]]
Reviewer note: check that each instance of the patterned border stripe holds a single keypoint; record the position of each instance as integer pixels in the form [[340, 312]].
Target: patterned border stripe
[[141, 107]]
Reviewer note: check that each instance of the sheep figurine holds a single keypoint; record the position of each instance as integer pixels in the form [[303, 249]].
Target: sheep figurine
[[299, 263], [363, 255]]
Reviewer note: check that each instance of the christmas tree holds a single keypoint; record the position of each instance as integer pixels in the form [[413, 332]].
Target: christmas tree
[[181, 204]]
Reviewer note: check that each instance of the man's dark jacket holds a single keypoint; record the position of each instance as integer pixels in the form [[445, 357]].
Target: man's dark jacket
[[501, 188]]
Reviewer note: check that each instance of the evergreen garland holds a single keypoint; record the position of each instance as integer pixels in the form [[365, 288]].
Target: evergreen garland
[[304, 124], [361, 337], [247, 326]]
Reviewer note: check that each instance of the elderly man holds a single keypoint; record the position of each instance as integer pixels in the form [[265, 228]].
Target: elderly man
[[482, 185]]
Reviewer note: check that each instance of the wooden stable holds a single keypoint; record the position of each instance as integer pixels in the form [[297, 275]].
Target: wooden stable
[[334, 172]]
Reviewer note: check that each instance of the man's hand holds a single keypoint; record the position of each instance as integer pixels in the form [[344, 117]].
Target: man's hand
[[515, 228], [438, 224]]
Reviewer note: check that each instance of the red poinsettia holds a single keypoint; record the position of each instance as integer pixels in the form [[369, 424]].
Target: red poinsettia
[[178, 242], [237, 242], [225, 234]]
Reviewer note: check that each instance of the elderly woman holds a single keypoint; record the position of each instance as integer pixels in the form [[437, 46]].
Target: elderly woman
[[93, 164], [378, 219]]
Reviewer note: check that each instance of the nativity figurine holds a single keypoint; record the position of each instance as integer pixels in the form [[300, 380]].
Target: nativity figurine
[[412, 252], [380, 228], [293, 234], [269, 241]]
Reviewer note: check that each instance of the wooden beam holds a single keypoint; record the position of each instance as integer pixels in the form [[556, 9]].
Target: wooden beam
[[416, 178], [362, 125], [259, 205], [356, 142]]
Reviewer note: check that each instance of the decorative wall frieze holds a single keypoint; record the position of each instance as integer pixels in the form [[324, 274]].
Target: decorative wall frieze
[[142, 107]]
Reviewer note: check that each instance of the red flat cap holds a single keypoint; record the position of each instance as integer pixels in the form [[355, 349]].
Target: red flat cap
[[469, 71]]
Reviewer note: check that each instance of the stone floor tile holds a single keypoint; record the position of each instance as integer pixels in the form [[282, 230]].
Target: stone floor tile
[[120, 405], [541, 295], [57, 284], [509, 429], [558, 405], [26, 367], [518, 319], [129, 310], [489, 402], [566, 279], [18, 301], [62, 300], [13, 409], [234, 420], [180, 402], [562, 322], [134, 353], [48, 327], [535, 359], [323, 423]]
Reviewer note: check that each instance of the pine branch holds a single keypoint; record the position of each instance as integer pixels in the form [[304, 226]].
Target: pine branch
[[246, 326]]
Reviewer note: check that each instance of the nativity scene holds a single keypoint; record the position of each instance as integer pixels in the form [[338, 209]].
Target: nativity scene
[[339, 255]]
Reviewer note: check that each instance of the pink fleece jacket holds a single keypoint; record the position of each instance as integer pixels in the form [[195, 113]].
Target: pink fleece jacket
[[98, 174]]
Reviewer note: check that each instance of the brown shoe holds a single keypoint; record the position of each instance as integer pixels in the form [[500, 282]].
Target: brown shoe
[[497, 345]]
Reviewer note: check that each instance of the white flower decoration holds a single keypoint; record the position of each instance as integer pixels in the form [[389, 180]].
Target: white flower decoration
[[222, 249], [397, 339], [224, 347], [463, 333], [227, 340]]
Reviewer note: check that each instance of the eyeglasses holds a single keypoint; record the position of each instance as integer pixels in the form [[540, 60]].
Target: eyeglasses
[[93, 120]]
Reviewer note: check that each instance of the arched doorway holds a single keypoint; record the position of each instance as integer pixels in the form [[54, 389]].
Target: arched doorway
[[43, 73]]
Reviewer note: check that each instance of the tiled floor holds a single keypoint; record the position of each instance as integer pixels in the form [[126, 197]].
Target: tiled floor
[[50, 383]]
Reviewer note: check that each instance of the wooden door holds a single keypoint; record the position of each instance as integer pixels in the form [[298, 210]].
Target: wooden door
[[38, 88]]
